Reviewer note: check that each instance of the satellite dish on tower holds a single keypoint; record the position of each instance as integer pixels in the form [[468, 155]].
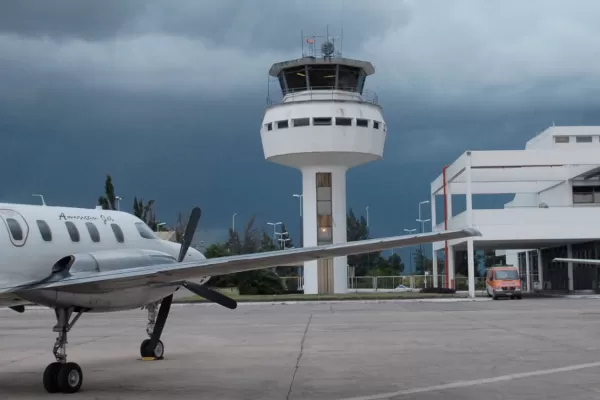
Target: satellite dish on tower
[[327, 48]]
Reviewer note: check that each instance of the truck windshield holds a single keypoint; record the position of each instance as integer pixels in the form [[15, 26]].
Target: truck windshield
[[507, 275]]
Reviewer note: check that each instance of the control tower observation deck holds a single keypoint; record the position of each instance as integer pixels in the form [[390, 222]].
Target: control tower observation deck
[[325, 123]]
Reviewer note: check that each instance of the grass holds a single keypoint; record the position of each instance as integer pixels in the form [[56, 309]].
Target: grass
[[318, 297]]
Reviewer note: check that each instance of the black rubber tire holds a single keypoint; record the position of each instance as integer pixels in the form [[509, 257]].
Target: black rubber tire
[[70, 378], [145, 351], [50, 378]]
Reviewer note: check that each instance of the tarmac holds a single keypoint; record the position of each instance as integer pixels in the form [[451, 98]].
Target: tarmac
[[538, 348]]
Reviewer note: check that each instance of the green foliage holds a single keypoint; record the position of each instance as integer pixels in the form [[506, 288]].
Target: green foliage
[[107, 201], [421, 262], [250, 241], [369, 264], [145, 212]]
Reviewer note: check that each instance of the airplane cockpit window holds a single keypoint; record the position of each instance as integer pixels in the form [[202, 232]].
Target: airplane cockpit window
[[15, 229], [144, 230], [73, 232], [118, 233], [93, 231], [44, 230]]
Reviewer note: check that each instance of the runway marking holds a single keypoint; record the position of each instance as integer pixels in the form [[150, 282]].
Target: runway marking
[[476, 382]]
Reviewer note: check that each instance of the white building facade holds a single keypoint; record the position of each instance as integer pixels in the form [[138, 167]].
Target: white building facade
[[325, 124], [555, 211]]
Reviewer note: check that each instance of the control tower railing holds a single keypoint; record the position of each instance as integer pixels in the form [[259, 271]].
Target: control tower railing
[[325, 93]]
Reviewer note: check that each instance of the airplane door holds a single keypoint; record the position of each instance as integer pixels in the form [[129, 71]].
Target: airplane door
[[15, 225]]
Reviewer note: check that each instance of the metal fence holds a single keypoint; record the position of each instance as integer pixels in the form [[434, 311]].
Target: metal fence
[[381, 283]]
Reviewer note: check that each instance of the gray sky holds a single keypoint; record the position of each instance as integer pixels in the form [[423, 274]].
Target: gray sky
[[168, 96]]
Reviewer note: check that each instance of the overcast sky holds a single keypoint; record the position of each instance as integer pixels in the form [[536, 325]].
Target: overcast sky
[[168, 97]]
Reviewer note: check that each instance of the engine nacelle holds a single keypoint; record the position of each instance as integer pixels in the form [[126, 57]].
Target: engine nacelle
[[111, 260]]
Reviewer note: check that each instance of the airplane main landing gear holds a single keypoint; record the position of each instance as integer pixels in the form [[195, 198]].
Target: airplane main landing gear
[[63, 376], [153, 347]]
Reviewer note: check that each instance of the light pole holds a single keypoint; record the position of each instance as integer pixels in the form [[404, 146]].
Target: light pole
[[409, 231], [274, 228], [282, 240], [367, 208], [422, 221], [233, 222], [118, 199]]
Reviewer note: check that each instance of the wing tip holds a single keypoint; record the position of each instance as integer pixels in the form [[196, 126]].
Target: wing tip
[[471, 232]]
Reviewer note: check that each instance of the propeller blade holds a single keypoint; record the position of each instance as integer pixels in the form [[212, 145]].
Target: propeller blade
[[212, 295], [188, 236]]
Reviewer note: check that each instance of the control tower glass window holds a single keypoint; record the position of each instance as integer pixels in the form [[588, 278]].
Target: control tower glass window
[[349, 79], [322, 77], [295, 79]]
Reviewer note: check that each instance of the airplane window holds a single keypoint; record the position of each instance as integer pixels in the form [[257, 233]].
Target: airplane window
[[73, 232], [144, 230], [118, 233], [44, 230], [93, 231], [15, 229]]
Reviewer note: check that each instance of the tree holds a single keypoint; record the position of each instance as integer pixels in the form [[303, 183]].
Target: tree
[[107, 201], [422, 262], [357, 229], [248, 282], [145, 212]]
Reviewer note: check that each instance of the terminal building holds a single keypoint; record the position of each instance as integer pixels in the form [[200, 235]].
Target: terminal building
[[555, 211]]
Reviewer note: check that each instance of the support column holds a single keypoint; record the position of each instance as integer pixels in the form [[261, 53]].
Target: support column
[[433, 251], [324, 222], [471, 267], [570, 267], [340, 232], [451, 266], [450, 261], [470, 243], [540, 269], [309, 229], [527, 271]]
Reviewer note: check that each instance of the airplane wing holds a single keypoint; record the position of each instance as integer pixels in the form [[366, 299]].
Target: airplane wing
[[577, 261], [167, 273]]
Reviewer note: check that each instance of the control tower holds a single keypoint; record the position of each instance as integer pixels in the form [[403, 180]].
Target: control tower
[[325, 124]]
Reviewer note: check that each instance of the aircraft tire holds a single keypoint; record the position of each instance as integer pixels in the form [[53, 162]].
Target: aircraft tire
[[50, 378], [70, 378], [157, 352]]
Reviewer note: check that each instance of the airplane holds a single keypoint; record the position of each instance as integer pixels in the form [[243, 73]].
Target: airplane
[[79, 260]]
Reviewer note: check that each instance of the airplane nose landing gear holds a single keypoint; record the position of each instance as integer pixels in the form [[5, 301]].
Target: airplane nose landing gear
[[153, 348], [63, 376]]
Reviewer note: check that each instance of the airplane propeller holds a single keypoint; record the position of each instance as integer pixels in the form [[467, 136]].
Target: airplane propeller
[[200, 290]]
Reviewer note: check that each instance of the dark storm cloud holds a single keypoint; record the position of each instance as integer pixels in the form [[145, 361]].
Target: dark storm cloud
[[169, 96]]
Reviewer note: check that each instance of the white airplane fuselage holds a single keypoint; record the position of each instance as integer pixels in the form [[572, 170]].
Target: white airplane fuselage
[[33, 239]]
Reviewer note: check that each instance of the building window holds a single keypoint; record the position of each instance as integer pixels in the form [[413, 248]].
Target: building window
[[118, 233], [144, 230], [375, 124], [561, 139], [343, 121], [44, 230], [363, 123], [269, 126], [324, 208], [301, 122], [93, 231], [322, 121], [73, 232], [583, 139], [15, 229], [282, 124], [584, 194]]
